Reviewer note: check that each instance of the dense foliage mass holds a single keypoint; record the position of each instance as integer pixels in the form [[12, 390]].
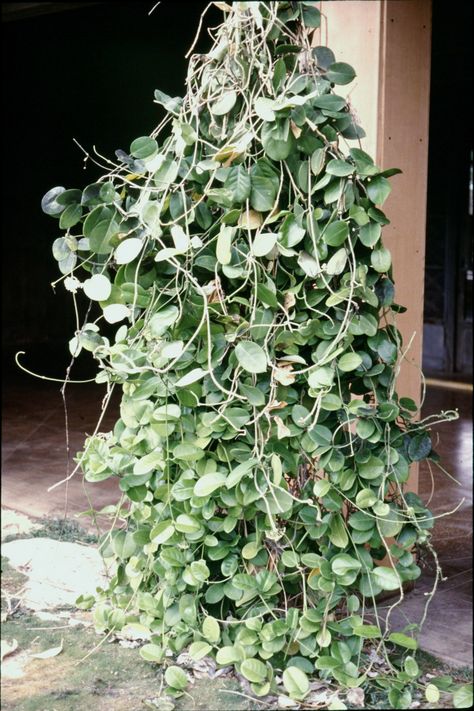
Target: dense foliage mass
[[262, 449]]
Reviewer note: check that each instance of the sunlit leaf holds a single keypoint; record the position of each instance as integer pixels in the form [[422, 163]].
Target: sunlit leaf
[[224, 104], [176, 678], [296, 682], [98, 287], [251, 357]]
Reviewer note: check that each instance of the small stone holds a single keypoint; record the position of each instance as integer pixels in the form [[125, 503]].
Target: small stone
[[129, 644]]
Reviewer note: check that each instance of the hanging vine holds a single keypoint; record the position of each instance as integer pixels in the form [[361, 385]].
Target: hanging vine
[[262, 449]]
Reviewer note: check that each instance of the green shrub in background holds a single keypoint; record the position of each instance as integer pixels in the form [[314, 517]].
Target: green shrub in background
[[262, 448]]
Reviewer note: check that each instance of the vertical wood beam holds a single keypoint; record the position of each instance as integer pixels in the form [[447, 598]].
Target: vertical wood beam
[[402, 141], [389, 44]]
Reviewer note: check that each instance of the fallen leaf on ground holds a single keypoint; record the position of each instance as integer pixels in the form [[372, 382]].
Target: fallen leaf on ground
[[48, 653], [8, 647], [318, 697], [356, 697]]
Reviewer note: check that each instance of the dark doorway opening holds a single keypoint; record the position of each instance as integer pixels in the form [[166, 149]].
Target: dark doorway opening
[[449, 269], [84, 71]]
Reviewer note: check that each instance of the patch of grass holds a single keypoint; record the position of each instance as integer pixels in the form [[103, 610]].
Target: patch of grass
[[12, 583], [216, 695], [431, 665], [113, 677], [63, 529], [11, 579], [59, 529]]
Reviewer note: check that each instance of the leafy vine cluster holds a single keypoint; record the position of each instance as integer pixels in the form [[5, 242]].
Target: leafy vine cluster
[[262, 450]]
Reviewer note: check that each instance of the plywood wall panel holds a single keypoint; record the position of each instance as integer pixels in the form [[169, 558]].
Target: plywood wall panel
[[351, 28]]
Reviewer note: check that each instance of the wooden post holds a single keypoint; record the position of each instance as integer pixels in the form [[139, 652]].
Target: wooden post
[[402, 141], [388, 42]]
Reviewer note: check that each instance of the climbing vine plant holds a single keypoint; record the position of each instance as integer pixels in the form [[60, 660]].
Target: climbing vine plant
[[262, 450]]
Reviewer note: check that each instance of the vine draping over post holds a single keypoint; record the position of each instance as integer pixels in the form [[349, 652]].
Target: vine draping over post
[[262, 448]]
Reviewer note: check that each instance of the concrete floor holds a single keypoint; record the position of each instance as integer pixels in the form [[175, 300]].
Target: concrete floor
[[34, 453], [447, 632], [34, 458]]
